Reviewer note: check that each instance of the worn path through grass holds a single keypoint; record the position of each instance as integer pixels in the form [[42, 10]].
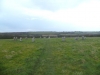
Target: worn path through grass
[[69, 58], [50, 57]]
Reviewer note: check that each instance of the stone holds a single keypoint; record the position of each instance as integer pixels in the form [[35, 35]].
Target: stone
[[20, 39], [33, 39]]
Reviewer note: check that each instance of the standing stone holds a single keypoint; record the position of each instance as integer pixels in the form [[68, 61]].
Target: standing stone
[[49, 37], [25, 37], [20, 39], [63, 38], [33, 39], [83, 37], [14, 38], [76, 38]]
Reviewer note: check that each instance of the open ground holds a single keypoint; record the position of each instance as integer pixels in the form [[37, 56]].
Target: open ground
[[50, 56]]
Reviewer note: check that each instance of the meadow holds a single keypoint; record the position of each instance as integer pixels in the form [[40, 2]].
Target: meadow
[[50, 56]]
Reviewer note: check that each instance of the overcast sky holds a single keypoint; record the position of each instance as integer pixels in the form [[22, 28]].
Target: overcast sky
[[49, 15]]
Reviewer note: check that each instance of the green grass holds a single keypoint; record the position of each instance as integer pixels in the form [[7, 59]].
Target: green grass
[[50, 57]]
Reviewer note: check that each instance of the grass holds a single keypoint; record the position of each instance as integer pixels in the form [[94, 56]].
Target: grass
[[50, 57]]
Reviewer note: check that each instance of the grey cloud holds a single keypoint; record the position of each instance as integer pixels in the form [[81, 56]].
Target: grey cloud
[[19, 22], [14, 20]]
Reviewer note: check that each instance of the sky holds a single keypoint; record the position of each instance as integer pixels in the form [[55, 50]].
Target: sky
[[49, 15]]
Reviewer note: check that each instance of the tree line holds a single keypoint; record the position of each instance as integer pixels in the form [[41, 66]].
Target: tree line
[[10, 35]]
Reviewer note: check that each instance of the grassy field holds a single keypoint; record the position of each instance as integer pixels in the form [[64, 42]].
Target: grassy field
[[50, 57]]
